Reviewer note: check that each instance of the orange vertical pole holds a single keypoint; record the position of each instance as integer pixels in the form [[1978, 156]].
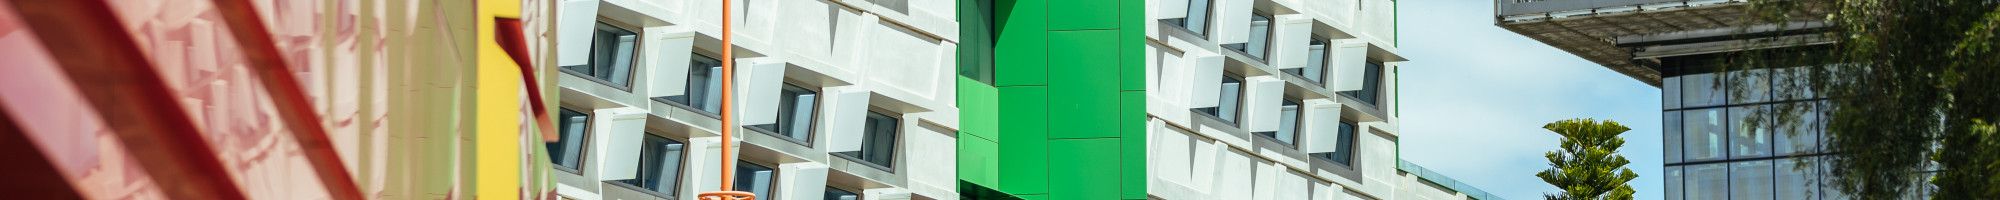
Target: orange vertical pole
[[728, 118]]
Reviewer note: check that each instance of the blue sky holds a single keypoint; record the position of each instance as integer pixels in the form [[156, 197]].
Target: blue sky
[[1475, 97]]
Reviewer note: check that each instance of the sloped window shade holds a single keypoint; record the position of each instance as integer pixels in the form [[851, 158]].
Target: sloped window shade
[[759, 83], [1205, 78], [575, 25], [1349, 63], [567, 151], [1321, 126], [846, 107], [673, 57], [1261, 100], [1343, 148], [1288, 123], [1259, 37], [1289, 38], [621, 133], [801, 179]]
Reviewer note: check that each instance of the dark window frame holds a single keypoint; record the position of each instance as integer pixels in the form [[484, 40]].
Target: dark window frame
[[689, 86], [773, 183], [830, 188], [581, 152], [1297, 114], [1370, 93], [1270, 26], [632, 70], [1236, 116], [1318, 78], [680, 168], [811, 125], [895, 145], [1345, 145], [1207, 18]]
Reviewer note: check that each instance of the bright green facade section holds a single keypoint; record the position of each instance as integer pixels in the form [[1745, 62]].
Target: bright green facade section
[[1063, 113]]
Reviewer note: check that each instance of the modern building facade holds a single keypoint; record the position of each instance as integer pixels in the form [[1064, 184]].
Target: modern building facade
[[836, 99], [1715, 145], [1277, 99]]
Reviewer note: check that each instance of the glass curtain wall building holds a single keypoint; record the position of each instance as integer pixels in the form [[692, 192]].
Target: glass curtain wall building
[[1720, 140]]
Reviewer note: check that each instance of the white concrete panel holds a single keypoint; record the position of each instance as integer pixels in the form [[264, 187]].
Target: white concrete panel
[[1292, 186], [926, 143], [843, 113], [1237, 175], [903, 60], [1232, 21], [802, 180], [1262, 96], [1349, 63], [704, 168], [809, 26], [1266, 182], [672, 49], [1206, 155], [758, 83], [885, 194], [1204, 80], [852, 40], [618, 133], [1170, 163], [1290, 38], [575, 22], [1166, 9], [1321, 125]]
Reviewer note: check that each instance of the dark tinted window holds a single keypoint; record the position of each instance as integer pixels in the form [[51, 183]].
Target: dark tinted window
[[795, 114], [704, 85], [879, 145], [1229, 99], [611, 56], [567, 151], [756, 179], [839, 194], [659, 165]]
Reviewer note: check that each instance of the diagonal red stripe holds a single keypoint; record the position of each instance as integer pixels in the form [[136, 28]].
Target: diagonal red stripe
[[288, 96]]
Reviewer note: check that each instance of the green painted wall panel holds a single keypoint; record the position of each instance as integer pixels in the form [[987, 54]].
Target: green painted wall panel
[[1024, 129], [1083, 14], [1020, 51], [1089, 168], [1085, 91], [978, 108], [1132, 130]]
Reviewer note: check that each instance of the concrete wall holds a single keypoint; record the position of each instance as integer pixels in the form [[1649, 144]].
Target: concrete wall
[[860, 56]]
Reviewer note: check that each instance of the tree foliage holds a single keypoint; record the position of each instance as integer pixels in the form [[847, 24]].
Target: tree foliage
[[1588, 166], [1913, 87]]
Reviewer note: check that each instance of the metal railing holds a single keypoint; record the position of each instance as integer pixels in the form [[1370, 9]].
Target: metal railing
[[1520, 7], [1442, 180]]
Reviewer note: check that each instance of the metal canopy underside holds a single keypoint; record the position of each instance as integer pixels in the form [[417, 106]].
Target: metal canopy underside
[[1592, 34]]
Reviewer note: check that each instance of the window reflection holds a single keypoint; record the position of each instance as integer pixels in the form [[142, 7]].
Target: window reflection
[[1699, 90], [1749, 133], [1708, 182], [1672, 137], [1703, 138], [1750, 180]]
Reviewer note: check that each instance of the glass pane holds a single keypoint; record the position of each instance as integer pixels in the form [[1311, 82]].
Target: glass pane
[[1796, 180], [1287, 122], [1703, 138], [611, 55], [1745, 140], [565, 151], [1260, 32], [1756, 85], [659, 165], [1672, 137], [1232, 90], [755, 179], [1197, 17], [838, 194], [1371, 84], [1670, 93], [1797, 135], [879, 145], [1707, 182], [1315, 61], [1699, 90], [1343, 153], [703, 85], [1673, 182], [1750, 180], [1828, 190], [795, 113]]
